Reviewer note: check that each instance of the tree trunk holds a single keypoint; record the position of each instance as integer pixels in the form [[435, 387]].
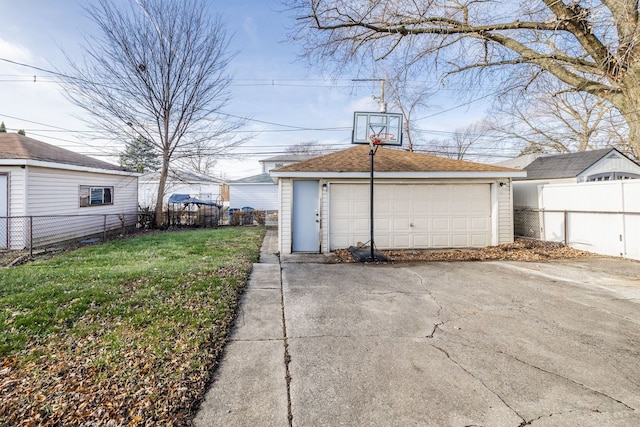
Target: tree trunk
[[164, 172]]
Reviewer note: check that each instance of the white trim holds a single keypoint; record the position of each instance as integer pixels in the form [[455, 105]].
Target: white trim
[[63, 166]]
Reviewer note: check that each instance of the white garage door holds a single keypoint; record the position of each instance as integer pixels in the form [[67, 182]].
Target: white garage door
[[415, 216]]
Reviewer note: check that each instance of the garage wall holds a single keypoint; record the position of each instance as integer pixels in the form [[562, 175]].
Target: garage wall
[[504, 209]]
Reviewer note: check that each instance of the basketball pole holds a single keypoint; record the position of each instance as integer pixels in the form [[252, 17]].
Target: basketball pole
[[372, 152]]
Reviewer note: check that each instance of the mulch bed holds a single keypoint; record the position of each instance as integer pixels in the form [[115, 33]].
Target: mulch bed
[[520, 250]]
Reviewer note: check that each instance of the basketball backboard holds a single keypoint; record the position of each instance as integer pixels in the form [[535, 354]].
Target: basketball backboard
[[387, 125]]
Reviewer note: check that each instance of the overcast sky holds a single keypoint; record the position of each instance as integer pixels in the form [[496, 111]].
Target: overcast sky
[[287, 101]]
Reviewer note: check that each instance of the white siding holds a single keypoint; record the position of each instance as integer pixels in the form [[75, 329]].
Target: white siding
[[257, 196], [50, 196], [613, 162], [17, 179], [57, 192], [504, 211]]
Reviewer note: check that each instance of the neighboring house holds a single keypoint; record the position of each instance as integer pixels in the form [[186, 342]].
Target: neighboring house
[[200, 186], [39, 180], [283, 160], [587, 166], [420, 201], [259, 191]]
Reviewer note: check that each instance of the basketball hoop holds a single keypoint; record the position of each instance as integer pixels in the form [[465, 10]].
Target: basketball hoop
[[381, 137]]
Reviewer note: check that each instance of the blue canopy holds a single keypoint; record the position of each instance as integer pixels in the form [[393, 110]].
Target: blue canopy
[[185, 199]]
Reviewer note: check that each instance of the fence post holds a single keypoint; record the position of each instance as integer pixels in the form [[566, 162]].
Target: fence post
[[104, 229], [31, 237], [566, 228]]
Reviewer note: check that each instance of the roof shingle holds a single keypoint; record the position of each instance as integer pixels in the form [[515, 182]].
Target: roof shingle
[[564, 165], [356, 159], [19, 147]]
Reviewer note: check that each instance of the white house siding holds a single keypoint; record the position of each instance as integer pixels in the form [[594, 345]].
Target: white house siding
[[613, 162], [53, 194], [613, 232], [504, 210], [16, 205], [17, 179], [285, 194], [258, 196]]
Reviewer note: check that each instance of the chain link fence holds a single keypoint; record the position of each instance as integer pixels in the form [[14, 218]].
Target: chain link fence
[[29, 233], [528, 222]]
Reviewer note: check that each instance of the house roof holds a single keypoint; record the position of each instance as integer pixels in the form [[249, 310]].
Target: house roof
[[356, 159], [18, 147], [565, 165], [263, 178], [182, 176]]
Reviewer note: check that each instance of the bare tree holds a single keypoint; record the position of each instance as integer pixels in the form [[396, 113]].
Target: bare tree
[[407, 98], [549, 119], [157, 71], [591, 46], [458, 145], [307, 148]]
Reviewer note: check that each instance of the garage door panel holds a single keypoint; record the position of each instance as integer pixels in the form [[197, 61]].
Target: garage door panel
[[422, 224], [441, 241], [411, 215], [422, 241], [439, 206], [440, 224], [459, 224], [479, 224]]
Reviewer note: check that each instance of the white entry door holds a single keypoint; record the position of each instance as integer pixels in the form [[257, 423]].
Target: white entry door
[[306, 218], [4, 223]]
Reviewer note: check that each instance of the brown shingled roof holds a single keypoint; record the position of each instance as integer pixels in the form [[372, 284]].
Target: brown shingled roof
[[19, 147], [356, 159]]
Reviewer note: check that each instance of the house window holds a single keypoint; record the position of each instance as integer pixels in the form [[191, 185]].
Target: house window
[[610, 176], [95, 196]]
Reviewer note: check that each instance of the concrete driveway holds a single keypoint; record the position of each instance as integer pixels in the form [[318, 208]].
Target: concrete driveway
[[442, 344]]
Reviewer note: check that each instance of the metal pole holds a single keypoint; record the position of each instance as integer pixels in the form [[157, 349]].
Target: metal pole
[[371, 154], [31, 237], [566, 228]]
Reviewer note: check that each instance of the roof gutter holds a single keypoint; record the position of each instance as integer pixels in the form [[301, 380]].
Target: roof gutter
[[63, 166], [401, 175]]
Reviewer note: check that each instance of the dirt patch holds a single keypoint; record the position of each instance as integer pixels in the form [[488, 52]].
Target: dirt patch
[[520, 250]]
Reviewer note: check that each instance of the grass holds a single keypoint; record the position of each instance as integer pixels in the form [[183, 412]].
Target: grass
[[127, 331]]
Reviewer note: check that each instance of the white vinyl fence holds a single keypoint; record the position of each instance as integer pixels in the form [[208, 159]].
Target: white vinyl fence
[[599, 217]]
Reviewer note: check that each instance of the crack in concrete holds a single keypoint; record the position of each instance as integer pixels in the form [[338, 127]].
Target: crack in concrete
[[570, 380], [287, 356], [434, 299], [465, 370]]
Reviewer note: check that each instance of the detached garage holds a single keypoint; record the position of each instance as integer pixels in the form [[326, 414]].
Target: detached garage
[[420, 202]]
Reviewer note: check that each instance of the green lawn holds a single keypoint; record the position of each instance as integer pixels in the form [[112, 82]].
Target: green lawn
[[128, 330]]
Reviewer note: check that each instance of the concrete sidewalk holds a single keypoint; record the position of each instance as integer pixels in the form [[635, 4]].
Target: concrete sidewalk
[[431, 344], [250, 385]]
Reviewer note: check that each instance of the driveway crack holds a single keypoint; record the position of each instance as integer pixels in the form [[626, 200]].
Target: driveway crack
[[435, 301], [600, 393], [465, 370]]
